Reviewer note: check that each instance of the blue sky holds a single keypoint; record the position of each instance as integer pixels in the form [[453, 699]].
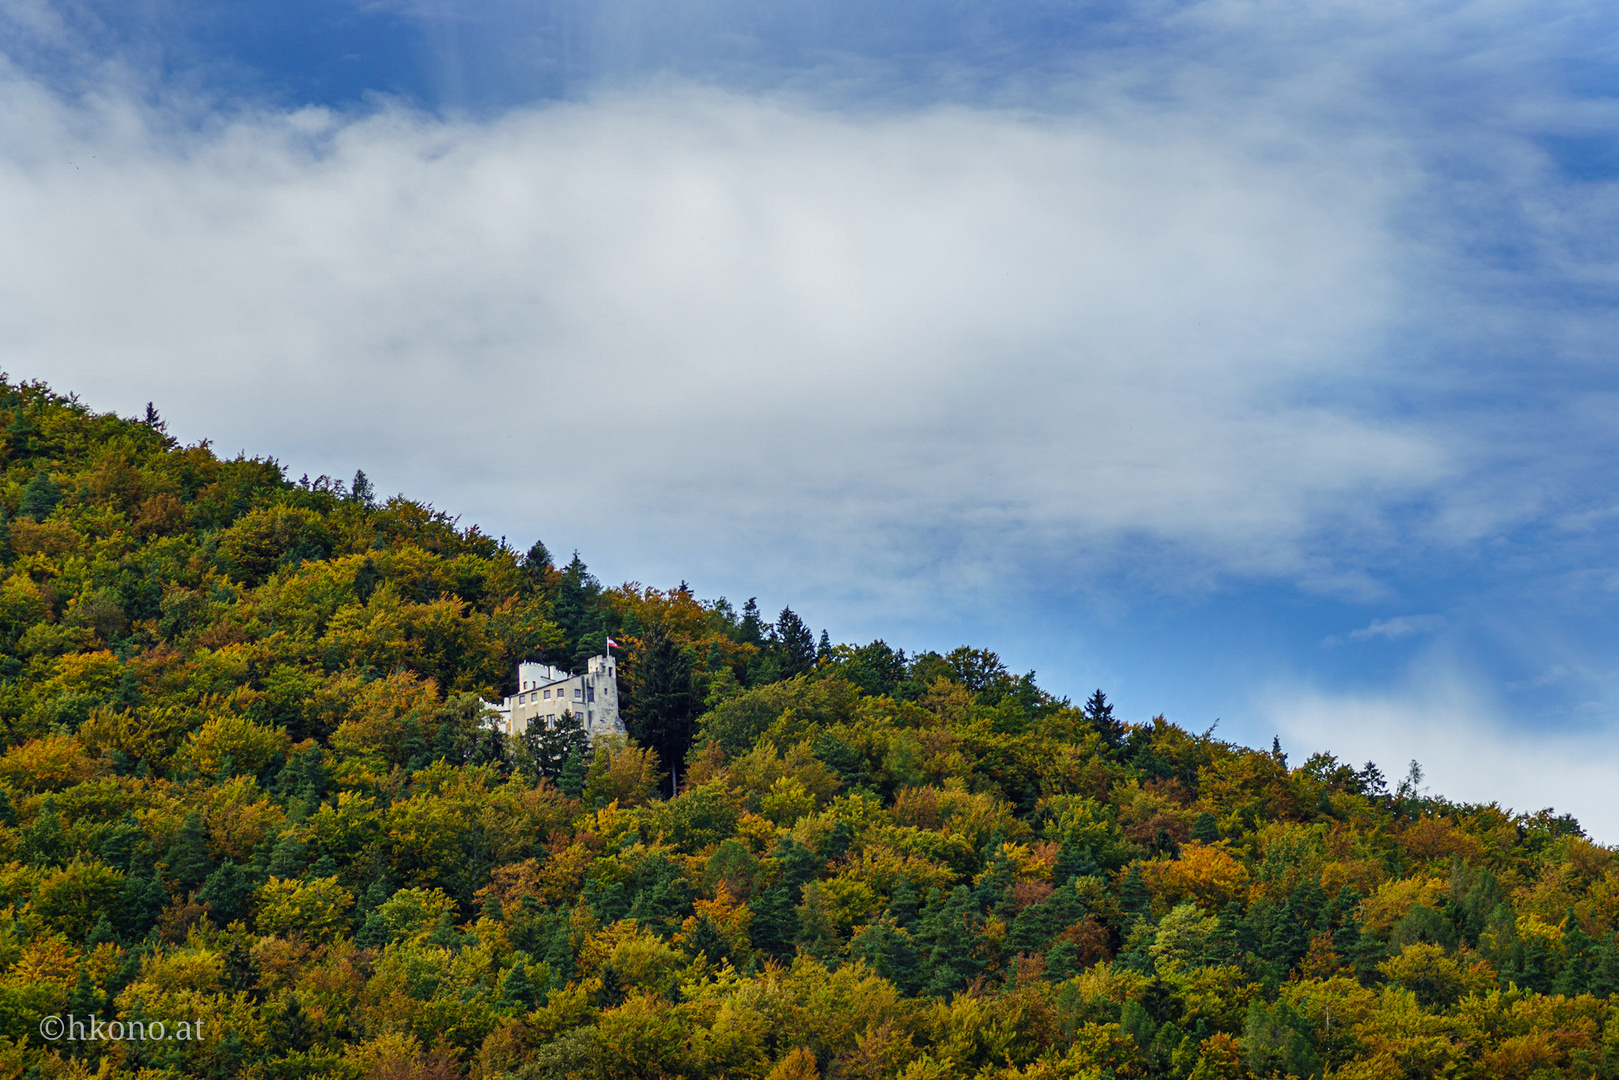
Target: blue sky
[[1250, 360]]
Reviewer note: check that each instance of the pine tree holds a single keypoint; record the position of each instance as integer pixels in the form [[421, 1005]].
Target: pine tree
[[575, 610], [903, 905], [226, 892], [663, 704], [1135, 900], [288, 858], [549, 746], [1574, 977], [188, 862], [43, 839], [516, 989], [361, 490], [1604, 971], [142, 898], [949, 932], [85, 998], [101, 933], [816, 935], [789, 648], [751, 630], [1099, 714], [374, 933], [1074, 860], [290, 1030], [40, 497], [574, 771], [1062, 961], [891, 952], [1205, 829], [537, 567]]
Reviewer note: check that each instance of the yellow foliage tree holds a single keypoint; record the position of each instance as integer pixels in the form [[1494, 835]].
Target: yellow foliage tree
[[313, 909], [1205, 873]]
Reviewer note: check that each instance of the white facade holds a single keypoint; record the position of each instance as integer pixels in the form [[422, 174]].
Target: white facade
[[545, 693]]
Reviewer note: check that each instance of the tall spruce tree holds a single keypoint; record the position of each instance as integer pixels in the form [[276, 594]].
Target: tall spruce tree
[[188, 861], [794, 645], [1100, 716], [536, 567], [40, 497], [663, 703], [576, 610]]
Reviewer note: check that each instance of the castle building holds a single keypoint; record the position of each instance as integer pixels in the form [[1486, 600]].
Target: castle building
[[544, 693]]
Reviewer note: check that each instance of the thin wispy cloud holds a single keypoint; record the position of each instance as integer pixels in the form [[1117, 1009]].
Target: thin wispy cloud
[[1393, 629]]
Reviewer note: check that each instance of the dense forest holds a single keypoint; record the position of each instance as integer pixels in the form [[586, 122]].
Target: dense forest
[[248, 793]]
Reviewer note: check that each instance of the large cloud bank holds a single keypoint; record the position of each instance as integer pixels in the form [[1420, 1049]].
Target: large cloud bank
[[834, 337]]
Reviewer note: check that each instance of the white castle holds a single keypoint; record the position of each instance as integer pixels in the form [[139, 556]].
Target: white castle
[[545, 693]]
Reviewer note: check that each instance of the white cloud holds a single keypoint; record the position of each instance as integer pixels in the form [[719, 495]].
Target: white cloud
[[1471, 748], [733, 329], [1400, 626]]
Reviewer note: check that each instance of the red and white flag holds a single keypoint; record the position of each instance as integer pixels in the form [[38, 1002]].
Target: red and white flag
[[611, 643]]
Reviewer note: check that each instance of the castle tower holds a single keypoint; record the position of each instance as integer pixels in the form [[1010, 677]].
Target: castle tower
[[545, 693]]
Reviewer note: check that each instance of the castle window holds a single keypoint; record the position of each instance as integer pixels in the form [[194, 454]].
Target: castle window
[[590, 693], [547, 693]]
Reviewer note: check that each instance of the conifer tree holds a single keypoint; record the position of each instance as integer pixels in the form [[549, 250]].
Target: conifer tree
[[361, 490], [40, 497], [142, 898], [794, 645], [537, 567], [1135, 900], [663, 704], [288, 857], [189, 863], [751, 630], [890, 951], [549, 746], [575, 770], [1099, 714], [516, 989], [43, 839], [575, 611], [949, 933], [226, 893], [1074, 860]]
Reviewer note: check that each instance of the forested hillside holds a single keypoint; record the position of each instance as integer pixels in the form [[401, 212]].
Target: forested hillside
[[246, 782]]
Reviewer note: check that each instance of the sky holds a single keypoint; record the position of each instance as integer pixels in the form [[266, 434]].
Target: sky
[[1250, 360]]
